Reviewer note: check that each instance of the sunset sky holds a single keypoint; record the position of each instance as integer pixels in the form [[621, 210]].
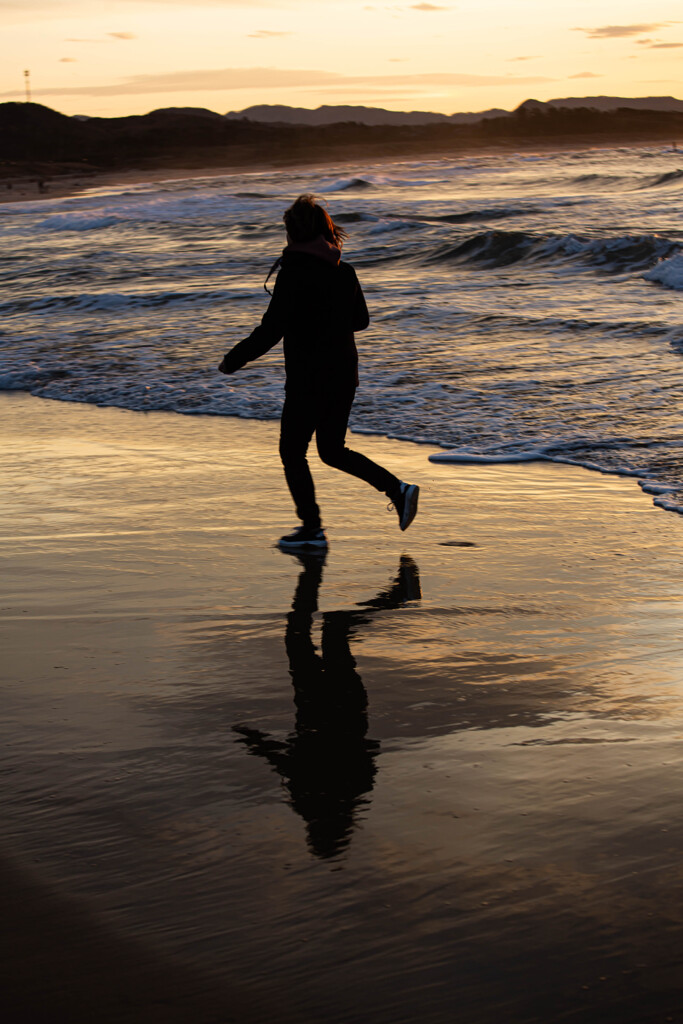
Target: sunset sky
[[131, 56]]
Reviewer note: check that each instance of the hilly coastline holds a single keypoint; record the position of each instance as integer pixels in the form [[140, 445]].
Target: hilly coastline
[[41, 143], [280, 114], [326, 114]]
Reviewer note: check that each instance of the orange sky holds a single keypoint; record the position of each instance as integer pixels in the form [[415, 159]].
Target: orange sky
[[131, 56]]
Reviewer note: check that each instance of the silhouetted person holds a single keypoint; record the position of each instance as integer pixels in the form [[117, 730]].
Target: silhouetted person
[[327, 763], [317, 304]]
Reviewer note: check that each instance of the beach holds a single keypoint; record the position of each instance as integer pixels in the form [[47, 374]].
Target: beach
[[54, 183], [48, 181], [520, 308], [437, 777]]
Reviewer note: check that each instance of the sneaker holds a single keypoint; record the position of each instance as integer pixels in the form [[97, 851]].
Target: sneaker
[[405, 504], [304, 538]]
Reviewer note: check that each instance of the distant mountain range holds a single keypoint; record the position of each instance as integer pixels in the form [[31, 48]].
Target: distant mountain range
[[37, 140], [278, 114], [609, 103], [267, 113]]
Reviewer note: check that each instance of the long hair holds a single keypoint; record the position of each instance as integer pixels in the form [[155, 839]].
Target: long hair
[[306, 219]]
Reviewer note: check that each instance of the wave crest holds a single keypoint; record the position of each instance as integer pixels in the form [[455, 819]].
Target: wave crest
[[503, 248], [668, 272], [345, 184], [94, 302], [663, 179]]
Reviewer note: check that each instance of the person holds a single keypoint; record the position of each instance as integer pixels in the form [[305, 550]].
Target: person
[[316, 305]]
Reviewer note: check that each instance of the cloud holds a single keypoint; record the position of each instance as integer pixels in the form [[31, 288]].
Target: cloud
[[427, 7], [68, 60], [620, 31], [654, 44], [104, 39], [534, 56], [586, 74], [233, 79], [264, 33]]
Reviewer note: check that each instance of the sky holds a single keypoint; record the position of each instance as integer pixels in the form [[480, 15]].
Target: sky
[[117, 57]]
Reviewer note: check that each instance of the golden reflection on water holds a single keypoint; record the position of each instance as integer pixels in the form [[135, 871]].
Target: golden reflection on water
[[380, 789]]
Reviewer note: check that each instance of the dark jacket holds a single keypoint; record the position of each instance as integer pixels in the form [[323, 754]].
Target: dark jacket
[[316, 306]]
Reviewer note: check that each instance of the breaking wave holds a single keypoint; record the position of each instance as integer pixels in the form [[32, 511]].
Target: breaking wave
[[663, 179], [520, 308], [503, 248], [668, 272], [345, 184], [102, 302]]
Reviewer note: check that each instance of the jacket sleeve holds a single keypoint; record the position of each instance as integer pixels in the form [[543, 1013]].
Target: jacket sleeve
[[264, 337], [361, 317]]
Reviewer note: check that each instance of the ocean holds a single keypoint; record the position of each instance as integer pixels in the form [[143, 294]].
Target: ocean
[[522, 306]]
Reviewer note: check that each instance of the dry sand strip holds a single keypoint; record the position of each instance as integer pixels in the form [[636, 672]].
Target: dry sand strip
[[438, 778]]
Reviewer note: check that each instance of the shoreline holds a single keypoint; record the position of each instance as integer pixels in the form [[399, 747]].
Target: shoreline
[[440, 456], [26, 187]]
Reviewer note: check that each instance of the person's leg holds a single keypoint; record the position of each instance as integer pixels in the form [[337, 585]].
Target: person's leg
[[332, 419], [296, 430]]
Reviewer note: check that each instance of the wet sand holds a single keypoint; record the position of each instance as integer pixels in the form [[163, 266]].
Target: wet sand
[[23, 188], [437, 777]]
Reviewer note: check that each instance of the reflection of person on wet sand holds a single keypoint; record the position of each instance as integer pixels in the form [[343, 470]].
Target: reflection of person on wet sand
[[327, 763]]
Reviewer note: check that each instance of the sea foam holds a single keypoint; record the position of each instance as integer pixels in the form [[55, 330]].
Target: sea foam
[[668, 272]]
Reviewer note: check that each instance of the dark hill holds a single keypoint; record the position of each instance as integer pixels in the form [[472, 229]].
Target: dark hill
[[325, 115], [272, 113], [331, 114], [34, 136], [620, 103], [29, 131]]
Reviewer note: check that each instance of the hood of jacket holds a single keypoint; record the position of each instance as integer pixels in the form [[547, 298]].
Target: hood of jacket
[[319, 247]]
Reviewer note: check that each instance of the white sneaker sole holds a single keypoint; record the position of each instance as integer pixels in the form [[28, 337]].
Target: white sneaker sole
[[302, 545]]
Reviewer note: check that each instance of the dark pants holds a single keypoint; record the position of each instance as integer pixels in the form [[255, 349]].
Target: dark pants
[[327, 416]]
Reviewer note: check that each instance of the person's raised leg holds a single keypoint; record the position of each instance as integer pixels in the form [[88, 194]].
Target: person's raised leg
[[330, 431], [333, 409]]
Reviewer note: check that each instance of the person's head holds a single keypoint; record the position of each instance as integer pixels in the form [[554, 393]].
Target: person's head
[[306, 219]]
